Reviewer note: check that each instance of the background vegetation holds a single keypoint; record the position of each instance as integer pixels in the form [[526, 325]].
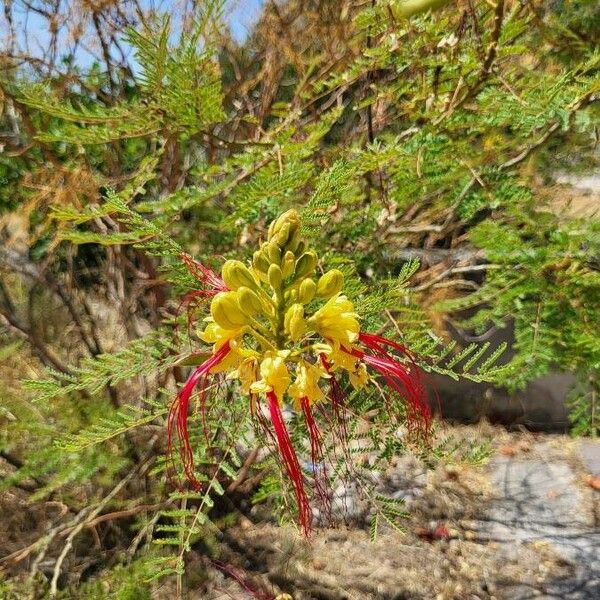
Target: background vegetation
[[130, 135]]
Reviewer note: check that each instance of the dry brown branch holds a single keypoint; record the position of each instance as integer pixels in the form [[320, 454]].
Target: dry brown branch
[[91, 515]]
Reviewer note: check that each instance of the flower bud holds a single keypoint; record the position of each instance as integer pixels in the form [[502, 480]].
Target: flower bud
[[307, 291], [282, 236], [294, 323], [294, 241], [290, 219], [274, 277], [408, 8], [226, 312], [260, 262], [249, 302], [236, 274], [291, 296], [305, 265], [288, 264], [273, 252], [330, 284]]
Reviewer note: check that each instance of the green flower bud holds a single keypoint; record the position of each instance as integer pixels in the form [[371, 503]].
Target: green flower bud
[[289, 218], [282, 236], [294, 241], [236, 274], [305, 265], [226, 312], [307, 291], [290, 296], [273, 252], [260, 262], [249, 302], [330, 284], [294, 323], [288, 264], [274, 277]]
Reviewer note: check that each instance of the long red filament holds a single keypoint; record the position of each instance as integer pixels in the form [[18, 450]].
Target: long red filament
[[402, 378], [178, 415], [317, 458], [337, 397], [207, 277], [290, 461], [336, 394], [379, 342], [211, 285]]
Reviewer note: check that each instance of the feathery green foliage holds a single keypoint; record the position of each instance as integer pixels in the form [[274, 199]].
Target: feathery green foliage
[[411, 155]]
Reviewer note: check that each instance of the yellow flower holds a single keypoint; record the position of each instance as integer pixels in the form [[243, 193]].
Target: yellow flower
[[236, 355], [217, 335], [357, 370], [343, 360], [359, 377], [247, 373], [337, 322], [274, 373], [306, 384]]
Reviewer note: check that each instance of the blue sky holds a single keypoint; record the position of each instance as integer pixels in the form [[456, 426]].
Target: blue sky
[[242, 16], [239, 14]]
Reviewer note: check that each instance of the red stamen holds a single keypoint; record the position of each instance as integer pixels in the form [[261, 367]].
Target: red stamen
[[178, 415], [207, 277], [402, 378], [337, 397], [290, 460], [211, 282], [317, 458], [336, 392]]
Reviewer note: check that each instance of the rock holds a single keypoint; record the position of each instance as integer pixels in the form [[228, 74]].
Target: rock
[[540, 503], [590, 455]]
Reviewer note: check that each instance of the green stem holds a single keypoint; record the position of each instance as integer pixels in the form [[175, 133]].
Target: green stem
[[280, 316]]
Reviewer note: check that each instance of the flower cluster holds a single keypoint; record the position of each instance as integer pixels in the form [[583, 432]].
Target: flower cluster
[[288, 335]]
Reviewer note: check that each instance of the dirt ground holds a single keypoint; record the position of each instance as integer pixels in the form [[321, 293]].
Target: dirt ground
[[451, 547], [503, 516]]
